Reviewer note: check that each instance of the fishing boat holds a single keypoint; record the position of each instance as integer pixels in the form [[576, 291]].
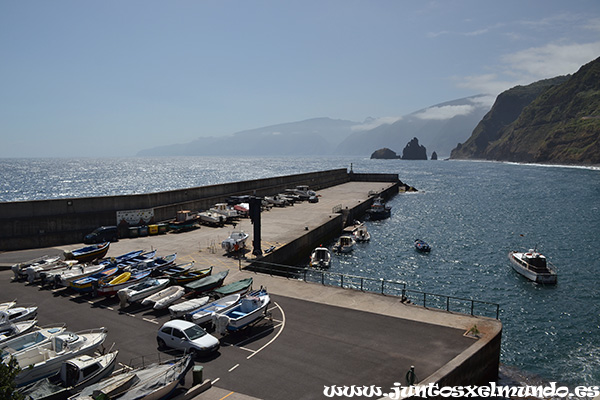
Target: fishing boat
[[177, 269], [164, 298], [379, 210], [122, 281], [133, 261], [151, 382], [74, 272], [345, 244], [204, 314], [34, 338], [533, 266], [75, 374], [422, 246], [156, 264], [35, 272], [206, 283], [19, 268], [235, 242], [320, 257], [225, 210], [16, 314], [241, 286], [44, 360], [12, 330], [190, 276], [181, 309], [141, 290], [184, 220], [212, 218], [84, 285], [88, 253], [248, 310]]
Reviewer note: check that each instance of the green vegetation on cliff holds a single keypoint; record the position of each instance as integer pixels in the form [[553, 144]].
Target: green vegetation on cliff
[[551, 121]]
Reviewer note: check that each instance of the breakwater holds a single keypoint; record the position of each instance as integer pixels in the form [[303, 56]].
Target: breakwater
[[44, 223]]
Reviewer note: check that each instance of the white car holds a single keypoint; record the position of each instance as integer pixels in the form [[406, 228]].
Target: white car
[[187, 336]]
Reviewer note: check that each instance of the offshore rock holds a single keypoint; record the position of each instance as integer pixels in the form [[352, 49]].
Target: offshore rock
[[434, 156], [414, 151], [384, 154]]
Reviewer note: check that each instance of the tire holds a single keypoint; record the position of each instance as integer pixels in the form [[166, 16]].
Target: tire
[[161, 344]]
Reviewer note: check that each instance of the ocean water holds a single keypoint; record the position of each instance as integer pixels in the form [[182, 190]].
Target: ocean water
[[471, 213]]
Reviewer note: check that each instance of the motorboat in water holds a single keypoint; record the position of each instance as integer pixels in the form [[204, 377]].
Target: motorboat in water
[[379, 210], [320, 257], [235, 242], [75, 374], [533, 266], [44, 360], [345, 244], [422, 246], [248, 310]]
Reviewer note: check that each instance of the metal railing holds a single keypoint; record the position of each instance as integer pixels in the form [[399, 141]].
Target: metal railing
[[383, 286]]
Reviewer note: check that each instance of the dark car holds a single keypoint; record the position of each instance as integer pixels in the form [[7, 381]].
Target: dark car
[[102, 234]]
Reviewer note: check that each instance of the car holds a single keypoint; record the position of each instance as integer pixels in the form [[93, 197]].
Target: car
[[102, 234], [186, 336]]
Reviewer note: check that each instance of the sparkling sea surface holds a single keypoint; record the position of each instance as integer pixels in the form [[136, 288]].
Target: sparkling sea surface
[[471, 213]]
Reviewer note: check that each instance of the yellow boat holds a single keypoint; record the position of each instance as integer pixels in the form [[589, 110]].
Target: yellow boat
[[124, 277]]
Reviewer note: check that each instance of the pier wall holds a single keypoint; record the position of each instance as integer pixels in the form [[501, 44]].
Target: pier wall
[[45, 223]]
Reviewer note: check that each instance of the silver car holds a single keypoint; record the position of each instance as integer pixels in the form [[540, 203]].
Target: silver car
[[187, 336]]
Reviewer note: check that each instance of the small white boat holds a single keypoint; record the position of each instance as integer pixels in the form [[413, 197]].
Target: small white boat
[[75, 374], [34, 338], [320, 257], [249, 309], [165, 297], [534, 266], [9, 304], [141, 290], [16, 314], [345, 244], [222, 208], [44, 360], [72, 273], [212, 218], [361, 234], [152, 382], [19, 269], [205, 314], [235, 242], [180, 309], [12, 330], [34, 272]]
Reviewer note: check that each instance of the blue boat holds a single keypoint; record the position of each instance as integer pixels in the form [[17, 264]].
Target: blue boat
[[422, 246]]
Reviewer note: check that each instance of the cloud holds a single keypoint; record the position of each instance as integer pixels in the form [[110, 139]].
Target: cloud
[[530, 65], [445, 112], [374, 123]]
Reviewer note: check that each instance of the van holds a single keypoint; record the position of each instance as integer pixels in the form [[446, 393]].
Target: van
[[102, 234]]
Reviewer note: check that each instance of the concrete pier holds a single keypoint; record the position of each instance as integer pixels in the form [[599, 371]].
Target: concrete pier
[[317, 336]]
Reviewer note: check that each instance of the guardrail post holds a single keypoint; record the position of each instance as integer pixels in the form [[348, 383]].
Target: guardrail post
[[472, 305], [342, 281], [448, 303], [497, 311], [322, 278], [424, 300], [382, 288], [361, 285]]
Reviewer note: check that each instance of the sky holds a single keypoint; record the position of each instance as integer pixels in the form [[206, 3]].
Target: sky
[[112, 77]]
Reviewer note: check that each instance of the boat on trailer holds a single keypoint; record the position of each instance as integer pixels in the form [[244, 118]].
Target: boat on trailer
[[248, 310]]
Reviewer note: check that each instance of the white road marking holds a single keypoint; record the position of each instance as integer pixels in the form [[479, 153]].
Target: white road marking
[[275, 337]]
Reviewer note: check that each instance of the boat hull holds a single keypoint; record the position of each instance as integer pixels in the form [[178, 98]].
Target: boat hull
[[543, 278]]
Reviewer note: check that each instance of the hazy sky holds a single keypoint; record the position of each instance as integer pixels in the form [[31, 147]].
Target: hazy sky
[[108, 78]]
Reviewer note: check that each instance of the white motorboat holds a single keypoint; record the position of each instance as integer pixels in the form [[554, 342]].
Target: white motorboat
[[345, 244], [75, 374], [19, 268], [205, 314], [34, 338], [361, 234], [320, 257], [74, 272], [141, 290], [16, 314], [235, 242], [534, 266], [12, 330], [222, 208], [44, 360], [249, 309], [165, 297], [9, 304], [212, 218], [34, 272], [151, 382], [180, 309]]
